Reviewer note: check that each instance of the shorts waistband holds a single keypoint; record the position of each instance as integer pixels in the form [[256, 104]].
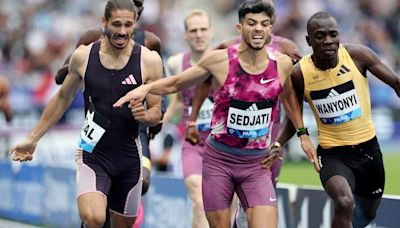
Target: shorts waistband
[[369, 144], [234, 151]]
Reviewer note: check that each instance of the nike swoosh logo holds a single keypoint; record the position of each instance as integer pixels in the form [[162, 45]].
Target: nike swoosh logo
[[262, 81], [272, 199]]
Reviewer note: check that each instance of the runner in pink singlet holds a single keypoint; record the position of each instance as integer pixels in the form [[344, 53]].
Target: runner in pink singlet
[[276, 43], [247, 82], [192, 155], [243, 121]]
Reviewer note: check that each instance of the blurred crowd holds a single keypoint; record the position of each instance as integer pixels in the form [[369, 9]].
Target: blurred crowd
[[37, 35]]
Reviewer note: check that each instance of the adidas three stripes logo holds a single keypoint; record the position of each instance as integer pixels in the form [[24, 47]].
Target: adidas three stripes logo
[[343, 70], [130, 80]]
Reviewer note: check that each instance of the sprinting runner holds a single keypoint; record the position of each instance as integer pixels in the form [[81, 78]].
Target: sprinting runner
[[152, 42], [109, 168], [284, 46], [248, 81], [333, 78], [198, 35]]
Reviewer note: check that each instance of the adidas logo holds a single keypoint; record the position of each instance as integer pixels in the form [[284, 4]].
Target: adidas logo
[[342, 70], [333, 93], [378, 191], [320, 161], [130, 80], [253, 107]]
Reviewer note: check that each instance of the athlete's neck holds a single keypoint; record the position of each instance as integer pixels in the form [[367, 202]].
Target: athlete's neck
[[325, 64], [269, 41], [114, 58], [115, 53], [251, 59], [195, 56]]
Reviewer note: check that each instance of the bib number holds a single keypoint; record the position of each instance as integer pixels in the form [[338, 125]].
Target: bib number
[[337, 105], [205, 113], [93, 129], [249, 119]]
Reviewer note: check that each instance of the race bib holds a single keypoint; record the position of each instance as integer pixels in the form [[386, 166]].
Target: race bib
[[205, 113], [93, 129], [249, 119], [337, 105]]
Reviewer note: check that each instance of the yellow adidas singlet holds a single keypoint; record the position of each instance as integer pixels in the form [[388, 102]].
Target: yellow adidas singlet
[[340, 100]]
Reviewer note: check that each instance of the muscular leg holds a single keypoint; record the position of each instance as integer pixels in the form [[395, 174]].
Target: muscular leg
[[107, 222], [241, 216], [92, 207], [193, 184], [365, 211], [339, 190], [262, 216], [119, 221], [219, 219], [252, 184]]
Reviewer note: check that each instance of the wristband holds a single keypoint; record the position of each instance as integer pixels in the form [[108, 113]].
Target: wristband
[[302, 131], [190, 124]]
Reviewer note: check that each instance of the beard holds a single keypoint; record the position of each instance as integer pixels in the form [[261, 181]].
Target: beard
[[256, 48], [111, 36]]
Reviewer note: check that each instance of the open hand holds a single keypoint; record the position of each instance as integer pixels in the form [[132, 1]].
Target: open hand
[[23, 151]]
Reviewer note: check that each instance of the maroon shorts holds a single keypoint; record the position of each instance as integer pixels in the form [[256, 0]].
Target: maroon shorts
[[192, 159], [224, 174], [192, 156]]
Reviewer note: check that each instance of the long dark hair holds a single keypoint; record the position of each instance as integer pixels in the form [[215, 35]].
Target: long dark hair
[[120, 5]]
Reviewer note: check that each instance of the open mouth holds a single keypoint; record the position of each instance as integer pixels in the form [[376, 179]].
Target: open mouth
[[120, 40], [258, 38]]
